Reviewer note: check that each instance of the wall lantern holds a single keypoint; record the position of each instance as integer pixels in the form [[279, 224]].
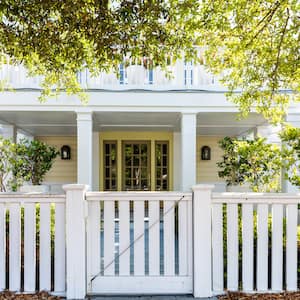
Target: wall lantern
[[205, 153], [65, 152]]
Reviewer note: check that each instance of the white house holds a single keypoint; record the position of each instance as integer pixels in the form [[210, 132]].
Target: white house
[[139, 132]]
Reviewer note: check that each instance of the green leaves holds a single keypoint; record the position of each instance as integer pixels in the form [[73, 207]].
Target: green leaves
[[37, 160], [25, 161], [57, 39], [254, 46], [291, 154], [253, 161]]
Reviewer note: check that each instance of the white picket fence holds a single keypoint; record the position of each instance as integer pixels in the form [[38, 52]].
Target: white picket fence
[[21, 244], [148, 242], [269, 246]]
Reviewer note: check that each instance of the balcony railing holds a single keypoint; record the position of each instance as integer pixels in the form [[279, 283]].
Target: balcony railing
[[185, 76]]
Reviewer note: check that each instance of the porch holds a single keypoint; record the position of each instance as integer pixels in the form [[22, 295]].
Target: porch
[[168, 144]]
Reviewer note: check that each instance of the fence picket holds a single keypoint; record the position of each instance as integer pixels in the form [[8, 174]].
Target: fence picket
[[93, 238], [247, 250], [45, 247], [291, 247], [2, 246], [139, 248], [14, 247], [262, 247], [29, 247], [169, 238], [277, 257], [124, 237], [109, 237], [217, 247], [59, 250], [190, 237], [232, 247], [154, 238], [183, 245]]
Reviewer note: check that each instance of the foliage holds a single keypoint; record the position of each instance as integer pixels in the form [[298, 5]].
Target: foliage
[[6, 158], [36, 159], [230, 166], [290, 137], [254, 46], [57, 39], [253, 161], [10, 178]]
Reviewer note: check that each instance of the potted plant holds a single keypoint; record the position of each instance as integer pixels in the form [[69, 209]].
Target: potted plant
[[36, 160], [253, 162]]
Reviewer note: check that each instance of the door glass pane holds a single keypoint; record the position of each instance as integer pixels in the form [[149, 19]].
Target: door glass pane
[[110, 165], [162, 166], [136, 166]]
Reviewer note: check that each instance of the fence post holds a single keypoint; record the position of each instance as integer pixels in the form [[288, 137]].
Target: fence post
[[202, 261], [75, 241]]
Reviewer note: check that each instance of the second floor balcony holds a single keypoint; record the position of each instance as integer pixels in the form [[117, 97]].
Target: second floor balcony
[[184, 76]]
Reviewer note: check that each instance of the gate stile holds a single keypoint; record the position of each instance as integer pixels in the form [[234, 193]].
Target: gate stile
[[152, 235]]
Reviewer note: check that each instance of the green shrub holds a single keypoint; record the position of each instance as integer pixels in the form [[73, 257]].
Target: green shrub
[[251, 161]]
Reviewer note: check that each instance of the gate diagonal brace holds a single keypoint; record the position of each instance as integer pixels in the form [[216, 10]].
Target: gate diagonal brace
[[134, 241]]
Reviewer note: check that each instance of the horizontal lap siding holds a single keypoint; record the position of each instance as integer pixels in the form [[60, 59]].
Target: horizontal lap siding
[[207, 171], [63, 171]]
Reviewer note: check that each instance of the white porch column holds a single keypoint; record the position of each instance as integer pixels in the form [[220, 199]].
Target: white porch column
[[85, 148], [95, 186], [176, 161], [188, 151]]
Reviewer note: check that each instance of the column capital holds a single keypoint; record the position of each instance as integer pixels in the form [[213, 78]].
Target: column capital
[[84, 115], [188, 113]]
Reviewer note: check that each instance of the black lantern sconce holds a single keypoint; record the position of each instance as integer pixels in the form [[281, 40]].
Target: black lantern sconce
[[205, 153], [65, 152]]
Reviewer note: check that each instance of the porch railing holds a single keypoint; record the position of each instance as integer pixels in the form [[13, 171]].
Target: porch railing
[[130, 76]]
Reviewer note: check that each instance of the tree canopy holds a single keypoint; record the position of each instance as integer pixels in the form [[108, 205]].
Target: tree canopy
[[57, 39], [253, 45]]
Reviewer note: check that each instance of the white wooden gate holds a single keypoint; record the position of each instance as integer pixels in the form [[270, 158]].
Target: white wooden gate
[[139, 243]]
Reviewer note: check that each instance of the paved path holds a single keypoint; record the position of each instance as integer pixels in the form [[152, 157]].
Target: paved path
[[181, 297]]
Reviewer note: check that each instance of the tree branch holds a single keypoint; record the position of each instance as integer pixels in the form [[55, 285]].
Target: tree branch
[[280, 44], [268, 17]]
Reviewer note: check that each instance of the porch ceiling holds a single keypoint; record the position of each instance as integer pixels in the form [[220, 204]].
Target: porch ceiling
[[64, 123], [41, 122]]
